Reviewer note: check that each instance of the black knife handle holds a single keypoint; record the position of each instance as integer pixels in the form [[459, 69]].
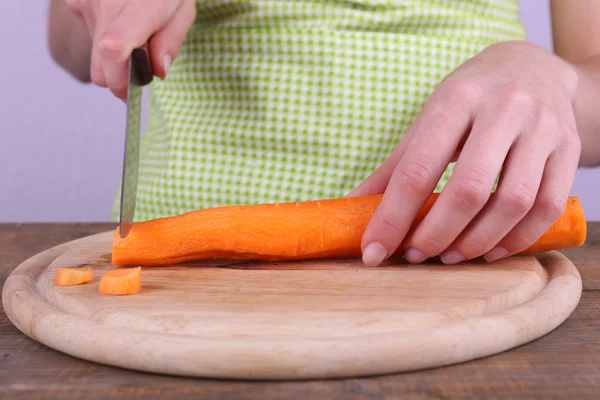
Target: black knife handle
[[141, 64]]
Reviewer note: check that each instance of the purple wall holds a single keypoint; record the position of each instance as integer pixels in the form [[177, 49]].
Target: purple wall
[[54, 167]]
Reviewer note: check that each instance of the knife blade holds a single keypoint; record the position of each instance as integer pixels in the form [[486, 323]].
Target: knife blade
[[140, 74]]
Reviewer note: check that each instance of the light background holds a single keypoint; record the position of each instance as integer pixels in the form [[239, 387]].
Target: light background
[[42, 179]]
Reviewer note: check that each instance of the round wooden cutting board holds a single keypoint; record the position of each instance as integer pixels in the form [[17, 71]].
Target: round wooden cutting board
[[295, 320]]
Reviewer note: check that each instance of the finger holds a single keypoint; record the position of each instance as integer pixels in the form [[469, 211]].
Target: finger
[[514, 198], [443, 125], [105, 15], [166, 44], [468, 189], [377, 182], [88, 11], [549, 204], [117, 38]]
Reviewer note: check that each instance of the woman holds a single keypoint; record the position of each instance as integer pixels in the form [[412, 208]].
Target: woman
[[270, 101]]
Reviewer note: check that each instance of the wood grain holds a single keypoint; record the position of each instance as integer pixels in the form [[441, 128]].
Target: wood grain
[[300, 320], [563, 364]]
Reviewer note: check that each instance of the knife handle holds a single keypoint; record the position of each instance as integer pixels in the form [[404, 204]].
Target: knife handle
[[141, 64]]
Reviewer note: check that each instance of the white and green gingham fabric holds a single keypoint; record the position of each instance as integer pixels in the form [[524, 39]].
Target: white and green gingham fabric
[[274, 100]]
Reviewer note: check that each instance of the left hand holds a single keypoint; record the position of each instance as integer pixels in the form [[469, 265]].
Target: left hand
[[510, 108]]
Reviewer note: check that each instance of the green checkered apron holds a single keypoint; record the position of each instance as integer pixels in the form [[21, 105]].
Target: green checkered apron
[[274, 100]]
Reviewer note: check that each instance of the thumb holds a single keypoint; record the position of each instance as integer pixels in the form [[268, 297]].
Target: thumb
[[166, 44]]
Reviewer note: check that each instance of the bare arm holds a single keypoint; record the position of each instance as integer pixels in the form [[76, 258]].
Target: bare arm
[[69, 42], [576, 35]]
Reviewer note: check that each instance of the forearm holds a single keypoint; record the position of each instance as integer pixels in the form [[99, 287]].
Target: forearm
[[69, 41], [587, 111], [576, 39]]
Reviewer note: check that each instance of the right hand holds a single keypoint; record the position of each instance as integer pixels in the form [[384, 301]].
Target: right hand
[[119, 26]]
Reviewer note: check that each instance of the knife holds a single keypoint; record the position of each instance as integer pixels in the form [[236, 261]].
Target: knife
[[140, 74]]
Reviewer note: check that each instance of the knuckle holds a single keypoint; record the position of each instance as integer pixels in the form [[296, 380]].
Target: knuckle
[[545, 117], [451, 102], [112, 47], [445, 115], [391, 222], [454, 93], [416, 175], [516, 96], [460, 87], [471, 192], [552, 207], [519, 200]]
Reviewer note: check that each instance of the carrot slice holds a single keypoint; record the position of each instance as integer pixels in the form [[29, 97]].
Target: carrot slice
[[121, 281], [288, 231], [73, 276]]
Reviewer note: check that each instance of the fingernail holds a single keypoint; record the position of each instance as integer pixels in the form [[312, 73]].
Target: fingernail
[[452, 257], [414, 256], [495, 254], [374, 254], [167, 63]]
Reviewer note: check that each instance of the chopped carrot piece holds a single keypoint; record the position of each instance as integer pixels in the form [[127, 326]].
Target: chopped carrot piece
[[121, 281], [73, 276]]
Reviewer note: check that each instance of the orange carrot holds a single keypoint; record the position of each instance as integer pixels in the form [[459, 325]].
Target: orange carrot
[[121, 281], [73, 276], [287, 231]]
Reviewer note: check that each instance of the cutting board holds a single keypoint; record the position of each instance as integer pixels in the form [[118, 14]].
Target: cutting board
[[296, 320]]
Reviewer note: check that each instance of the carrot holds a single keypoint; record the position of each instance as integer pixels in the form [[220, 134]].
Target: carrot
[[121, 281], [287, 231], [73, 276]]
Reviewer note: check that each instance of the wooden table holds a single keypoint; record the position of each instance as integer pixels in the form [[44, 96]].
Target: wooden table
[[562, 364]]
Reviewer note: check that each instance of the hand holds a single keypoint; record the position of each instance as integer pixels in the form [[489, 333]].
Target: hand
[[510, 108], [119, 26]]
